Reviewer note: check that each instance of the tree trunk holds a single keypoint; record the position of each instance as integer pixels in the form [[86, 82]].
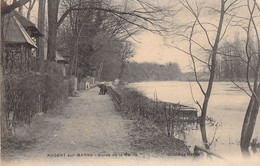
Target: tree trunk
[[72, 61], [203, 122], [99, 71], [29, 14], [249, 123], [53, 7], [253, 106], [74, 56], [40, 40], [211, 79], [3, 113]]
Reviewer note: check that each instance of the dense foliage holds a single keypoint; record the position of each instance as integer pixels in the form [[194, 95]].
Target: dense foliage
[[94, 41], [27, 93]]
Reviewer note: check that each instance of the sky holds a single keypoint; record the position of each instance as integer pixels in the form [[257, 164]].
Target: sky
[[152, 49]]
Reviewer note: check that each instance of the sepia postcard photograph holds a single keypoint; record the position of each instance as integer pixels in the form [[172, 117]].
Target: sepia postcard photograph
[[130, 82]]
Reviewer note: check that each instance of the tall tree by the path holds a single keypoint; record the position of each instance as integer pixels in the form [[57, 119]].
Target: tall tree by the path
[[199, 28], [247, 53], [53, 9], [240, 59], [40, 41], [253, 106]]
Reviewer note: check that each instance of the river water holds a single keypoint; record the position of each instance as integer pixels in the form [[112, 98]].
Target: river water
[[227, 106]]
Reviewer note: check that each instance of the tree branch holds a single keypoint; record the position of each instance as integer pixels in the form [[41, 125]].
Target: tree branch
[[192, 58], [119, 14], [9, 8]]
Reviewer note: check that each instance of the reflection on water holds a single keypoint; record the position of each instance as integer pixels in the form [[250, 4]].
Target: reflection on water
[[227, 106]]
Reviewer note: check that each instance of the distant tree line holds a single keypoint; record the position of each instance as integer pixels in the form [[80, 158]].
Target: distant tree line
[[135, 72], [232, 60]]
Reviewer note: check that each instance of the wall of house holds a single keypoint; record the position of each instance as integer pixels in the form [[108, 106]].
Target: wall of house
[[18, 58]]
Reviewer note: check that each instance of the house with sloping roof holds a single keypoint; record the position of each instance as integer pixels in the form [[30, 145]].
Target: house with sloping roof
[[18, 43], [62, 61], [19, 37], [29, 26]]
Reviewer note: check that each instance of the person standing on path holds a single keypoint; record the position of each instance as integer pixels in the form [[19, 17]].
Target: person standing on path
[[87, 85]]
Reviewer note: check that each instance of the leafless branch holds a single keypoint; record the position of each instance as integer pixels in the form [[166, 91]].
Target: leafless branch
[[247, 51], [195, 57], [192, 58], [9, 8], [232, 3], [155, 22], [188, 6], [195, 101]]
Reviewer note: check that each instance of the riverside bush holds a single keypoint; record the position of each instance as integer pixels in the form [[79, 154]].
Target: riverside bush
[[164, 115], [135, 102]]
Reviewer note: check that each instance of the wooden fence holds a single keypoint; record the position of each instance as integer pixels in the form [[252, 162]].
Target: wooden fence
[[115, 97], [171, 117], [183, 112]]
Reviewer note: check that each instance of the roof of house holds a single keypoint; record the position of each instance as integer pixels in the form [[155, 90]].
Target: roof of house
[[27, 24], [14, 33], [60, 58]]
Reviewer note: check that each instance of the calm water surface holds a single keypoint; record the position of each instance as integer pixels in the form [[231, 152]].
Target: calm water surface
[[227, 106]]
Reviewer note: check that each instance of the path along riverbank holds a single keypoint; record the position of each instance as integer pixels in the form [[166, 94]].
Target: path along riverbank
[[88, 126]]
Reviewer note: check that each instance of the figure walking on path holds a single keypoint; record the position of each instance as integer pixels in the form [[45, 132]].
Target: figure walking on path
[[103, 89]]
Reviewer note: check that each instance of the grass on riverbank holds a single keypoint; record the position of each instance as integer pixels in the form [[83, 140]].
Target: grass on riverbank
[[147, 137], [149, 140]]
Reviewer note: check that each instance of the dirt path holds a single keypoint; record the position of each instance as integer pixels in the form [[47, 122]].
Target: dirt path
[[88, 125]]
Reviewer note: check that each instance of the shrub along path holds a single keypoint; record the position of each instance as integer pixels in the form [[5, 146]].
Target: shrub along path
[[87, 125]]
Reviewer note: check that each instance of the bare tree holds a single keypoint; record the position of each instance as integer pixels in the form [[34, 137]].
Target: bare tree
[[248, 53], [201, 28], [253, 106]]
